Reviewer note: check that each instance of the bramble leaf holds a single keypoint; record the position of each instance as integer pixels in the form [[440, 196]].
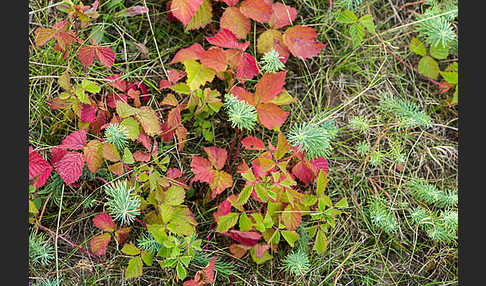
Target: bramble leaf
[[271, 115], [245, 237], [104, 222], [75, 140], [191, 53], [301, 42], [428, 67], [321, 242], [197, 74], [226, 222], [252, 143], [257, 10], [214, 58], [130, 249], [201, 168], [202, 17], [221, 182], [217, 156], [233, 20], [282, 15], [70, 167], [183, 10], [99, 243], [226, 39], [134, 268], [148, 119], [93, 155]]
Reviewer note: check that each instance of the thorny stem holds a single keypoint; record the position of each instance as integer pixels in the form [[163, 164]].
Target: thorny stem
[[231, 149], [69, 242]]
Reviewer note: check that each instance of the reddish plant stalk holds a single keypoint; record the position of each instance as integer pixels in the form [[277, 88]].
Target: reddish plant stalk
[[231, 149], [69, 242], [407, 65]]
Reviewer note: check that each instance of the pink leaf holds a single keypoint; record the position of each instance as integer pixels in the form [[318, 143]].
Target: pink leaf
[[57, 154], [301, 171], [247, 67], [257, 10], [106, 56], [183, 10], [224, 208], [301, 41], [191, 53], [75, 140], [249, 238], [141, 156], [253, 143], [104, 222], [88, 113], [201, 168], [38, 166], [226, 39], [70, 167], [173, 173], [319, 164], [117, 82], [99, 243], [282, 15], [217, 156]]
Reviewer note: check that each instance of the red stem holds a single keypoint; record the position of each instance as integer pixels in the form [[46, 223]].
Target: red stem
[[69, 242], [407, 65], [231, 150]]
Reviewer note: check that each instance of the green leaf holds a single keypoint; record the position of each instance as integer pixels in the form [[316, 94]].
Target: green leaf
[[261, 192], [323, 202], [158, 232], [346, 17], [82, 96], [439, 51], [357, 34], [134, 268], [322, 180], [367, 22], [450, 77], [266, 256], [123, 109], [166, 211], [64, 81], [428, 67], [181, 271], [148, 257], [418, 47], [290, 236], [197, 74], [309, 200], [130, 249], [127, 156], [132, 126], [342, 203], [244, 195], [226, 222], [245, 222], [321, 242], [32, 208], [202, 17], [175, 195], [181, 88], [90, 86]]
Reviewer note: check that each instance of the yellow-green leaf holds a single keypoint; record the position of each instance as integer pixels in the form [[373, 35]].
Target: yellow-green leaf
[[134, 268], [130, 249], [321, 242], [428, 67], [418, 47], [226, 222], [197, 74], [290, 236]]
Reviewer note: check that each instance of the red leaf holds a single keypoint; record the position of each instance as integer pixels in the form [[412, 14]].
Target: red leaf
[[88, 112], [106, 56], [201, 168], [269, 86], [175, 75], [75, 140], [112, 98], [224, 208], [116, 82], [242, 94], [245, 237], [122, 234], [38, 166], [301, 171], [70, 167], [217, 156], [233, 20], [57, 154], [301, 42], [220, 182], [191, 53], [183, 10], [282, 15], [247, 67], [238, 250], [260, 249], [253, 143], [258, 10], [104, 222], [99, 243], [209, 271], [173, 173], [226, 39], [86, 55], [141, 156], [271, 115], [231, 2], [145, 140], [214, 58], [317, 164]]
